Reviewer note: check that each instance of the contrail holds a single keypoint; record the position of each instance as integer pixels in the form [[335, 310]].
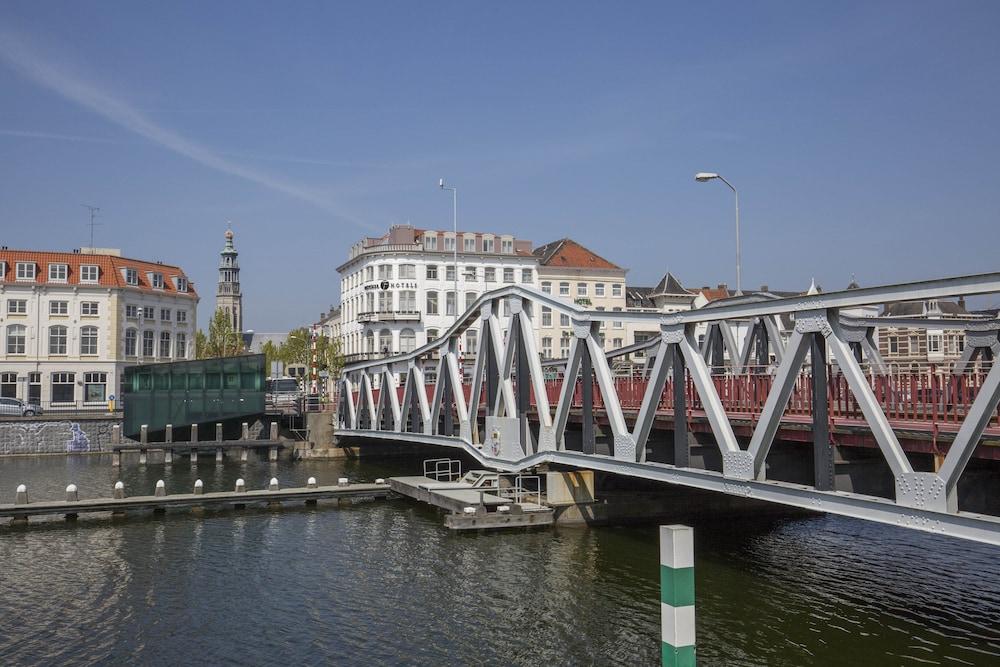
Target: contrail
[[30, 65]]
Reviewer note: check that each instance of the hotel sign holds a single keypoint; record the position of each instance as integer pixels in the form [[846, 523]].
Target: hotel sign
[[391, 284]]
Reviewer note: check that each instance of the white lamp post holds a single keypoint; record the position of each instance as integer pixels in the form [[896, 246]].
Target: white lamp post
[[704, 177]]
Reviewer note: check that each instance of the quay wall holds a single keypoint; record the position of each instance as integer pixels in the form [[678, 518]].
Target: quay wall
[[56, 434]]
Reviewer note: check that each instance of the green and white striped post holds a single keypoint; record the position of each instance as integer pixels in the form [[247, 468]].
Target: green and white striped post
[[677, 595]]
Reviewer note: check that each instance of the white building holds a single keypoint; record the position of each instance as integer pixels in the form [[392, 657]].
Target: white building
[[399, 290], [72, 321]]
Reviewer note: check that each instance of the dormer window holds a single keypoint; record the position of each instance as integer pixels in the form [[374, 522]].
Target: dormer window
[[181, 283], [26, 270], [89, 273], [58, 273], [156, 280], [3, 271], [131, 277], [507, 246], [430, 242]]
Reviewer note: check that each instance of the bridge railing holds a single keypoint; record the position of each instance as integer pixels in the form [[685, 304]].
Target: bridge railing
[[697, 364]]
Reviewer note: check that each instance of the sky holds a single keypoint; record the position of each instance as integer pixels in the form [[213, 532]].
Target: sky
[[862, 137]]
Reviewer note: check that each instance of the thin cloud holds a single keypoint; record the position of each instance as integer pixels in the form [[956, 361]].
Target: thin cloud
[[30, 65], [31, 134]]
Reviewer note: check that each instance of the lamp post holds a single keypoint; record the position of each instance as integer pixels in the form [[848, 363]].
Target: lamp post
[[454, 200], [704, 177]]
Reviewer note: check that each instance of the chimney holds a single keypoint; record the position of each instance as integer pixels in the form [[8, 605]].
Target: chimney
[[763, 288], [723, 286]]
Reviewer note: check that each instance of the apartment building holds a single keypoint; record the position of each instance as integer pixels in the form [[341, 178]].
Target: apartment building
[[72, 321], [907, 348]]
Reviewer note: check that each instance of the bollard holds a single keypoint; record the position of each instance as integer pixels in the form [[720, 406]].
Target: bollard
[[144, 434], [119, 492], [245, 433], [503, 509], [380, 481], [273, 484], [469, 510], [72, 495], [241, 486], [116, 434], [161, 489], [343, 481], [677, 596], [274, 430], [22, 495], [199, 488], [218, 432], [169, 433], [194, 433], [311, 483], [218, 454]]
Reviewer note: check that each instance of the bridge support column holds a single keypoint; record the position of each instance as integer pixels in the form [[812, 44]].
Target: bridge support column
[[824, 478], [682, 450], [677, 596], [587, 380]]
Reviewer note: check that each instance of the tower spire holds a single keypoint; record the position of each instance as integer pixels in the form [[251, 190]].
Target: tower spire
[[228, 297]]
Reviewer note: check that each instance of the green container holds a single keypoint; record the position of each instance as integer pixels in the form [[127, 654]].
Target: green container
[[183, 393]]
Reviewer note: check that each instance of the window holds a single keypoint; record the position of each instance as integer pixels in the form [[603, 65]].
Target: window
[[507, 246], [165, 344], [408, 301], [16, 337], [89, 308], [432, 303], [157, 280], [526, 275], [95, 387], [508, 275], [432, 272], [617, 324], [385, 271], [563, 320], [469, 244], [8, 385], [181, 346], [599, 289], [431, 334], [385, 341], [407, 271], [182, 316], [407, 341], [17, 306], [88, 340], [581, 289], [369, 273], [385, 301], [131, 277], [165, 314], [933, 343], [563, 289], [470, 298], [893, 345], [3, 271], [26, 270], [58, 273], [617, 343], [147, 343], [182, 284], [488, 245], [131, 336], [131, 311], [430, 242], [449, 272], [35, 387], [449, 308], [148, 313], [546, 347], [58, 307], [62, 387], [547, 287], [57, 339], [470, 273], [546, 316], [490, 274], [471, 341], [616, 289], [564, 347], [449, 243]]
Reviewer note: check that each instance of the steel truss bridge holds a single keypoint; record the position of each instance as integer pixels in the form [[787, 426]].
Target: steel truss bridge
[[510, 414]]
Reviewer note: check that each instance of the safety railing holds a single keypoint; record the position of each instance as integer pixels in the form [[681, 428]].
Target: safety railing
[[443, 470]]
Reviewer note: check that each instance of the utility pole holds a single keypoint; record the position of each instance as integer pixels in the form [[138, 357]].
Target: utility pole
[[93, 214]]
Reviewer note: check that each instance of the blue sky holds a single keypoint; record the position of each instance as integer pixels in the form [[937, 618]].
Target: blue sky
[[863, 136]]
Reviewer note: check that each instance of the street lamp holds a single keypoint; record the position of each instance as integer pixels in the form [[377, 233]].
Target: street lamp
[[454, 199], [704, 177]]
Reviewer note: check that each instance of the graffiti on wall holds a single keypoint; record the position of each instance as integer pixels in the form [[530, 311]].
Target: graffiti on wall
[[56, 437]]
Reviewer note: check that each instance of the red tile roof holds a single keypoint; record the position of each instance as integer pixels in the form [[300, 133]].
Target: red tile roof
[[569, 253], [109, 270]]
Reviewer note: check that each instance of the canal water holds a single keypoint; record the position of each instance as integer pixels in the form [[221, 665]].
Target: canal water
[[384, 583]]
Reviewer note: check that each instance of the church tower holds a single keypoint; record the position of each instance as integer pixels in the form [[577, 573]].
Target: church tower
[[228, 297]]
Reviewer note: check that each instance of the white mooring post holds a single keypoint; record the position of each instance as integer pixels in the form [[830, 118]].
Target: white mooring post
[[677, 596]]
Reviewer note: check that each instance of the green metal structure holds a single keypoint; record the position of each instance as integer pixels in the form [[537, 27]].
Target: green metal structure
[[183, 393]]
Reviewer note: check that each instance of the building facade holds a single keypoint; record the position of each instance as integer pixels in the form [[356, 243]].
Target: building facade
[[570, 271], [911, 349], [72, 321], [228, 297], [401, 289]]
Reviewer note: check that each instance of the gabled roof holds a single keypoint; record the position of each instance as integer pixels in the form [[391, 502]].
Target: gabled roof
[[670, 285], [569, 253]]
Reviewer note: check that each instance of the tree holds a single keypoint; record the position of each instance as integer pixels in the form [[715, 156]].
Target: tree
[[222, 341], [271, 354], [200, 343]]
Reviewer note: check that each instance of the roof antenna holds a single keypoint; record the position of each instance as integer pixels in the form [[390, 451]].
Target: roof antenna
[[93, 214]]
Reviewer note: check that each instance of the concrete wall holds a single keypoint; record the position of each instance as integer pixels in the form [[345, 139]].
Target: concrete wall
[[56, 436]]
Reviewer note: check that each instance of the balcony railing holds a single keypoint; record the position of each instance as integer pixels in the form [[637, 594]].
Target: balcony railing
[[390, 316]]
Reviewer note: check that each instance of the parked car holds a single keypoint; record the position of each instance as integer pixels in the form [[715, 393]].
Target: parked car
[[17, 407]]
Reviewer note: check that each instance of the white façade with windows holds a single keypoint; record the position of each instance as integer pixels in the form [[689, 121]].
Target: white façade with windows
[[399, 291]]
